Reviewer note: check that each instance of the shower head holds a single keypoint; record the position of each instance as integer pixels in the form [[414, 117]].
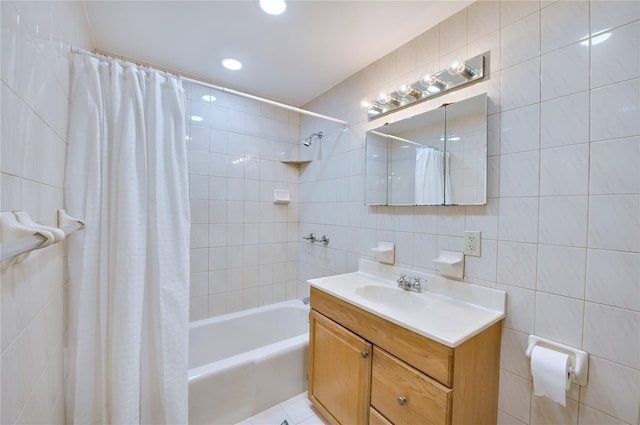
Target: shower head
[[307, 142]]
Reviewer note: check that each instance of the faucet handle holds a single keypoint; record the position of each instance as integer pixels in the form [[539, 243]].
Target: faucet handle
[[401, 280], [417, 284]]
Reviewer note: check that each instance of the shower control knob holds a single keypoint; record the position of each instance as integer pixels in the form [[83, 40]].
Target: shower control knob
[[364, 354]]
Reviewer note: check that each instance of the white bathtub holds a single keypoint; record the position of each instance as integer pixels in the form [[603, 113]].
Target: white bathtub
[[243, 363]]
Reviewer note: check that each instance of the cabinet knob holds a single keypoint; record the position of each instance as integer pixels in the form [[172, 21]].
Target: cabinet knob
[[402, 400], [364, 354]]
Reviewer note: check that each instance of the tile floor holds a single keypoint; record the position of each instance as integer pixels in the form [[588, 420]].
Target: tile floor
[[296, 411]]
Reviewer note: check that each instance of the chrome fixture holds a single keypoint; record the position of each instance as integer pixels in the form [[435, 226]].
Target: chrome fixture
[[412, 284], [391, 100], [433, 84], [309, 140], [306, 300], [459, 67], [312, 238], [457, 74], [409, 90]]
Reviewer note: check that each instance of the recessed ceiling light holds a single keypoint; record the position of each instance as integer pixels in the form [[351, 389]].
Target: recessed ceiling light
[[232, 64], [208, 98], [273, 7]]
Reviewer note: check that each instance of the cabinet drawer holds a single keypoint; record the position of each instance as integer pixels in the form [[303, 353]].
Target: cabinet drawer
[[405, 395], [375, 418]]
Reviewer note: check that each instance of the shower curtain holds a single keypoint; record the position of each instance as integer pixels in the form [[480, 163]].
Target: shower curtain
[[127, 177], [432, 177]]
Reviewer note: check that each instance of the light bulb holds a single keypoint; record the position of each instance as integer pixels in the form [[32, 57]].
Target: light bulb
[[453, 66], [425, 80], [466, 71], [436, 85], [409, 90], [390, 100], [459, 67]]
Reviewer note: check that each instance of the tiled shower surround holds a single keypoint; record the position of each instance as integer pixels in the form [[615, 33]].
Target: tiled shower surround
[[243, 246], [561, 228]]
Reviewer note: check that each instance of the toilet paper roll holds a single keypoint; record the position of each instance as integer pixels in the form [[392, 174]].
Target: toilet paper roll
[[549, 369]]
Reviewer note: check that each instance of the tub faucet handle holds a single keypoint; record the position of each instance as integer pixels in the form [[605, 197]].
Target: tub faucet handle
[[310, 237]]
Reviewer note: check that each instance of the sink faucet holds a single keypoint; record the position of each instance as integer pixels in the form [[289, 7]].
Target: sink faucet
[[410, 284]]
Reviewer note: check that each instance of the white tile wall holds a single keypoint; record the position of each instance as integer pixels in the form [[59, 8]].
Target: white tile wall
[[35, 95], [561, 228], [242, 247]]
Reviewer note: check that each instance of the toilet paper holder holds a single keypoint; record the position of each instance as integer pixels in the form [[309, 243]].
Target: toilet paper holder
[[579, 360]]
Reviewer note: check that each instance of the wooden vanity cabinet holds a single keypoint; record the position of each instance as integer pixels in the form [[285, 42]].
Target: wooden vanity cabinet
[[364, 369], [340, 371]]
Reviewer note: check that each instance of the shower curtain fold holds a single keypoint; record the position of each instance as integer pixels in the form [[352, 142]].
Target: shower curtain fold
[[129, 270], [432, 185]]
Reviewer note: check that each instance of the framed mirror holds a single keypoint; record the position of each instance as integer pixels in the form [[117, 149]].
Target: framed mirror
[[438, 157]]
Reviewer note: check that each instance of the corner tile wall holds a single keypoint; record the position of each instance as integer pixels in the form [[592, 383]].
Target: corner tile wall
[[243, 246], [35, 94], [561, 228]]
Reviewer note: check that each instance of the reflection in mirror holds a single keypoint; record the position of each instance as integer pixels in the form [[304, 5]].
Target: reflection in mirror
[[435, 158], [467, 149]]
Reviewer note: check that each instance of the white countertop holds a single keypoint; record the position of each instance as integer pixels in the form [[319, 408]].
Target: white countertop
[[447, 311]]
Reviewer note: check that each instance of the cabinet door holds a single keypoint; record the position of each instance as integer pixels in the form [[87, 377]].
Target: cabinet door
[[339, 371]]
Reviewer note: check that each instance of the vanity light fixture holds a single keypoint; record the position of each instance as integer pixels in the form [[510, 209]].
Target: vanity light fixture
[[459, 73], [373, 108], [392, 100], [435, 84], [461, 68], [409, 90]]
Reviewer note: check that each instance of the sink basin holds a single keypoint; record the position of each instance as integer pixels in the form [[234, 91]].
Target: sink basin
[[448, 311], [392, 297]]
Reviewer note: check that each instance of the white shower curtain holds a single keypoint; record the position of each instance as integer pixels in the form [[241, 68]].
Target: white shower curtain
[[432, 177], [129, 269]]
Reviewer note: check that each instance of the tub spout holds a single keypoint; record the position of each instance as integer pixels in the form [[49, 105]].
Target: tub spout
[[306, 300]]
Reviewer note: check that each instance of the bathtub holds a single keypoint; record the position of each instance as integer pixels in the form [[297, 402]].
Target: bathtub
[[243, 363]]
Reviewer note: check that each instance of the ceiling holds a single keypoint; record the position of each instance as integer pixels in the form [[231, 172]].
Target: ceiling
[[291, 58]]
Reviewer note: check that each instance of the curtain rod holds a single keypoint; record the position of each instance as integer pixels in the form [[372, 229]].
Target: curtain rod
[[268, 101], [226, 90]]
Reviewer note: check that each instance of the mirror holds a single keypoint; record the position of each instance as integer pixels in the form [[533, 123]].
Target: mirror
[[438, 157]]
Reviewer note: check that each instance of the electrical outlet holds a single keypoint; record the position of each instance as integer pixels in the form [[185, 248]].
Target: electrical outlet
[[472, 243]]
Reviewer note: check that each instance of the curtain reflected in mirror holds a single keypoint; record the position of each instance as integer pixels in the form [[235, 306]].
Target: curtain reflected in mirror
[[432, 176]]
